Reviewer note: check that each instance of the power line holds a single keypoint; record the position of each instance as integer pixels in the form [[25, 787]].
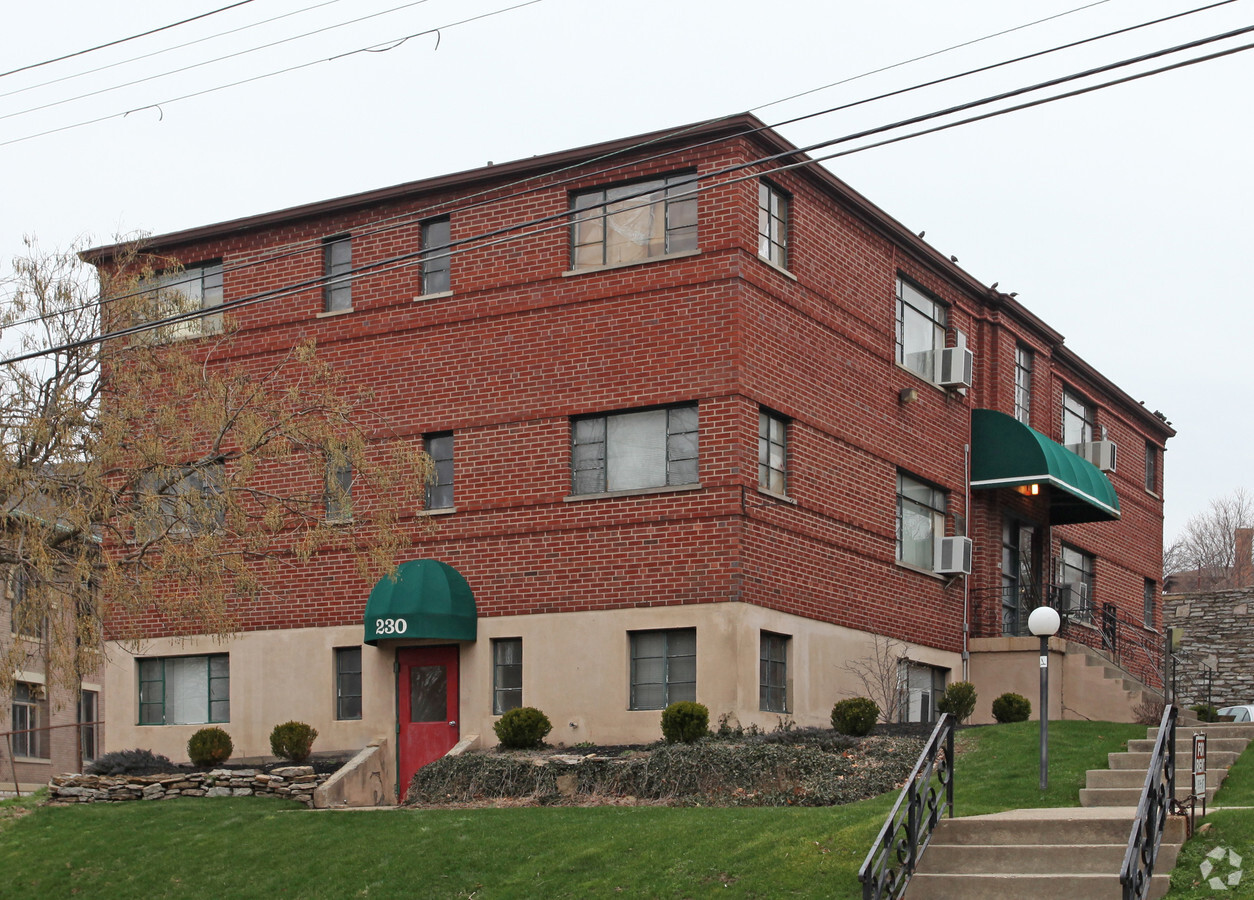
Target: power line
[[408, 218], [48, 62], [505, 234], [386, 45]]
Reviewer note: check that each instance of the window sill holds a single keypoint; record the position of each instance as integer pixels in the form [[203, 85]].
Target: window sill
[[38, 760], [438, 295], [1154, 494], [778, 268], [331, 313], [929, 382], [338, 520], [920, 570], [438, 511], [584, 270], [635, 492], [774, 495]]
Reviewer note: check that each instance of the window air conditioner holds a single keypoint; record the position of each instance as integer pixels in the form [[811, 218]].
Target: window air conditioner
[[1100, 453], [955, 367], [1073, 598], [952, 556]]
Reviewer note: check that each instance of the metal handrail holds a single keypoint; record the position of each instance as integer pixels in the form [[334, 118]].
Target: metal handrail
[[892, 859], [1151, 813]]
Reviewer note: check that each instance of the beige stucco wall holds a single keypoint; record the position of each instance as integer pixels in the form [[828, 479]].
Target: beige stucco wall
[[576, 667]]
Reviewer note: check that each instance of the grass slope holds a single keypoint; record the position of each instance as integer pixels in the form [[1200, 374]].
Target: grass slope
[[1221, 830], [245, 847]]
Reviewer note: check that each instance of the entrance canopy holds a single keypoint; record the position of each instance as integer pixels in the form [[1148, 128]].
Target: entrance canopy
[[425, 598], [1007, 453]]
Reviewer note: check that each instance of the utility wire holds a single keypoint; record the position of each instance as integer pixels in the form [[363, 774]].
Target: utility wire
[[48, 62], [443, 208], [373, 48], [547, 222]]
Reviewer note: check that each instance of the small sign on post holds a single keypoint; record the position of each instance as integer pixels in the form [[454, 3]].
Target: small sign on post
[[1199, 770]]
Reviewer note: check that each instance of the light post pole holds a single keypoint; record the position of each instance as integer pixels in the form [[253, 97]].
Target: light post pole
[[1044, 622]]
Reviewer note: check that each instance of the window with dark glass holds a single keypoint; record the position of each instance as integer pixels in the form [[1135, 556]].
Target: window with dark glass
[[773, 673], [1151, 467], [181, 501], [772, 452], [88, 717], [920, 519], [634, 450], [26, 610], [663, 667], [348, 682], [184, 690], [634, 222], [439, 446], [1023, 384], [186, 292], [773, 210], [1151, 588], [436, 260], [29, 719], [921, 324], [1077, 420], [338, 496], [921, 685], [337, 253], [506, 675], [1076, 576]]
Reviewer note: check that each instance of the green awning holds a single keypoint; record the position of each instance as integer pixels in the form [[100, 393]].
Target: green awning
[[425, 598], [1007, 453]]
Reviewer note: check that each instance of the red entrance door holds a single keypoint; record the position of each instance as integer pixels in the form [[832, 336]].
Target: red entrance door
[[427, 707]]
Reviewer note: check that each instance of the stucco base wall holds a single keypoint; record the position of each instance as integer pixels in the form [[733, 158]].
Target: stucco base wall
[[576, 668]]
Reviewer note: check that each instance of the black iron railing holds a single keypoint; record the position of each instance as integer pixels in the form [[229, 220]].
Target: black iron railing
[[1151, 813], [928, 794]]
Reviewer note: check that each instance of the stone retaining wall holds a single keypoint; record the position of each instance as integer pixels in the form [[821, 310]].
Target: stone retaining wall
[[1219, 629], [290, 783]]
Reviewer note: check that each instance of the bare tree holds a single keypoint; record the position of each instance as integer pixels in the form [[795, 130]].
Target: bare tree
[[1207, 545], [145, 480], [880, 674]]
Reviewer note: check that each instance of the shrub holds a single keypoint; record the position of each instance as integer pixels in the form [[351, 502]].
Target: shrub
[[1149, 711], [1011, 707], [1207, 712], [293, 741], [958, 700], [131, 762], [522, 728], [209, 747], [855, 716], [685, 722]]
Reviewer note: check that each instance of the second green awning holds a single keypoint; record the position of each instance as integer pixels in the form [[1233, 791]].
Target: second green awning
[[1007, 453], [424, 598]]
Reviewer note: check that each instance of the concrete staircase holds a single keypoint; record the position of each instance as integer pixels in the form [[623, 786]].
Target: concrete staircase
[[1069, 854]]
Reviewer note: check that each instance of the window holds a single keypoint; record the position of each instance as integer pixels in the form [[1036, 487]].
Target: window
[[436, 261], [88, 716], [920, 519], [348, 682], [1077, 420], [773, 207], [634, 222], [439, 446], [920, 686], [1023, 385], [27, 617], [773, 673], [920, 329], [30, 714], [186, 291], [634, 450], [772, 453], [337, 255], [1150, 590], [1151, 467], [338, 494], [180, 501], [185, 690], [506, 675], [1076, 569], [663, 667]]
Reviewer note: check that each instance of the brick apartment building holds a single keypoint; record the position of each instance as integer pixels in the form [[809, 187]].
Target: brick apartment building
[[694, 440]]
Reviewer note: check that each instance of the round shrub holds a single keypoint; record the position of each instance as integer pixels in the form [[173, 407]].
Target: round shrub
[[1206, 712], [292, 741], [1011, 707], [522, 728], [131, 762], [958, 700], [209, 747], [685, 722], [855, 716]]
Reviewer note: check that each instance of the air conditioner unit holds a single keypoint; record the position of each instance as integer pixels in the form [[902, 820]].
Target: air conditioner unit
[[955, 367], [952, 556], [1100, 453], [1073, 599]]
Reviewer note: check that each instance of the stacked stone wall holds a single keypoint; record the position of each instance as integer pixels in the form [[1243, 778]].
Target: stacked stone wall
[[1219, 630], [288, 783]]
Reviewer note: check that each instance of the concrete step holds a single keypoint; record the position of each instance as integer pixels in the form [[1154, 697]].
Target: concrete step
[[1132, 778], [1104, 797], [1184, 745], [1218, 759], [1036, 887], [1212, 729], [1068, 825], [1025, 859]]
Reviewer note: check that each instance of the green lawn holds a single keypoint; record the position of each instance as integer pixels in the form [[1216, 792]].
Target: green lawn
[[1218, 833], [266, 848]]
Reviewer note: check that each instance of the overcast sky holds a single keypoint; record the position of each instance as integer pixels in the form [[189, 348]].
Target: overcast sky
[[1121, 217]]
